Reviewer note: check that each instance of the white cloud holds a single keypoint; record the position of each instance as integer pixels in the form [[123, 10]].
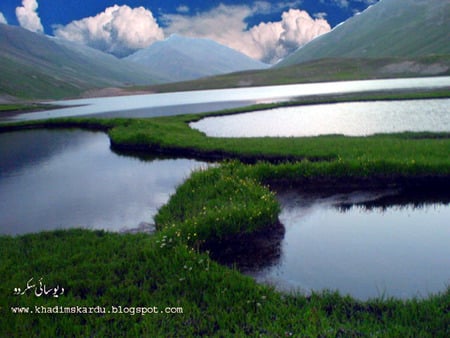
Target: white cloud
[[346, 3], [3, 19], [183, 9], [268, 42], [320, 15], [342, 3], [219, 23], [28, 17], [119, 30]]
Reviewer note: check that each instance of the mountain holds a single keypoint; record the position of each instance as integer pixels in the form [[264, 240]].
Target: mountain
[[181, 58], [37, 66], [390, 28]]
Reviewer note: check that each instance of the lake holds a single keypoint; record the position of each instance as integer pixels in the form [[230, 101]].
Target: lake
[[54, 179], [366, 244], [349, 118], [164, 104], [60, 179]]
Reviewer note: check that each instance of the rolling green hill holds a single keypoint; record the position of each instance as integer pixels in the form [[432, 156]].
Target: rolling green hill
[[331, 69], [391, 28], [36, 66]]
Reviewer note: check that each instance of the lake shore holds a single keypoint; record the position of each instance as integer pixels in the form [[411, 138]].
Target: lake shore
[[169, 268]]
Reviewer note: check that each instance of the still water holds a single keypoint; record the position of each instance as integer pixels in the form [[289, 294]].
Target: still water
[[209, 100], [350, 118], [60, 179], [366, 244], [359, 243]]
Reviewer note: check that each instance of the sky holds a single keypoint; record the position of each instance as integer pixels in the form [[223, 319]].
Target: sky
[[263, 30]]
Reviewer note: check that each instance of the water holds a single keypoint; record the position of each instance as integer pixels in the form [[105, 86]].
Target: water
[[360, 243], [62, 179], [208, 100], [350, 118], [366, 244]]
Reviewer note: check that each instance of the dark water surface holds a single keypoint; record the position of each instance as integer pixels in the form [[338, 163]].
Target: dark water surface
[[366, 244], [60, 179]]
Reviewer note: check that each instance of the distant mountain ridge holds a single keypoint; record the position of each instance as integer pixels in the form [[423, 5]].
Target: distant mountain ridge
[[390, 28], [182, 58], [37, 66]]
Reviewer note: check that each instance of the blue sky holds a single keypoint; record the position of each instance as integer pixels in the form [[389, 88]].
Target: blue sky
[[262, 29]]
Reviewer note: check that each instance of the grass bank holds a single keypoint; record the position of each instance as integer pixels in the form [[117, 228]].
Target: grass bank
[[105, 271], [16, 108], [169, 270], [172, 136], [323, 70]]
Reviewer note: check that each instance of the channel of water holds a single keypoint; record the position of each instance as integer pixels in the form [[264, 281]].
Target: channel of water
[[349, 118], [350, 241]]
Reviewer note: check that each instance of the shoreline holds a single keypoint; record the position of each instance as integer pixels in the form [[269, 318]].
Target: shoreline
[[230, 202]]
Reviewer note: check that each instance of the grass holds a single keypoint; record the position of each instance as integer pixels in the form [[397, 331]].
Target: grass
[[167, 270], [24, 107], [171, 268], [323, 70]]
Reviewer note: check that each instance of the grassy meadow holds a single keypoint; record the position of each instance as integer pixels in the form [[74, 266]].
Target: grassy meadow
[[172, 269]]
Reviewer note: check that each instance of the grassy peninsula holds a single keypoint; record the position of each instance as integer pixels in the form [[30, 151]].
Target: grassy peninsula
[[172, 270]]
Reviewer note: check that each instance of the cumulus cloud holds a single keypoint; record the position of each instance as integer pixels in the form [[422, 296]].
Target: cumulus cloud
[[3, 19], [119, 30], [267, 42], [28, 17]]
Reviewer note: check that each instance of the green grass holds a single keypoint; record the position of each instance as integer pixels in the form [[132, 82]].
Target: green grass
[[323, 70], [170, 268], [166, 269], [25, 107]]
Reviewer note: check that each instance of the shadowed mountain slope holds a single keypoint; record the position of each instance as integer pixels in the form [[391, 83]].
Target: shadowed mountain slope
[[391, 28], [37, 66]]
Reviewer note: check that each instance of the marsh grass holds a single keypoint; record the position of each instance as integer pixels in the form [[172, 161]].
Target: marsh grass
[[169, 268]]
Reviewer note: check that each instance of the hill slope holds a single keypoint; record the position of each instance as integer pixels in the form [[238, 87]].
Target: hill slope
[[36, 66], [391, 28], [181, 58]]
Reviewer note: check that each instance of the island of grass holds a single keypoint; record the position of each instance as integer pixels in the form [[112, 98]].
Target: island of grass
[[110, 279]]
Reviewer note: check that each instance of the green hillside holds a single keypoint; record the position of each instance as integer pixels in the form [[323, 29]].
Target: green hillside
[[332, 69], [36, 66], [391, 28]]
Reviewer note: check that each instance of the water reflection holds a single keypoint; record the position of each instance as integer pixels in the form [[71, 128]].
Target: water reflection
[[350, 118], [55, 179], [366, 244], [249, 252], [208, 100]]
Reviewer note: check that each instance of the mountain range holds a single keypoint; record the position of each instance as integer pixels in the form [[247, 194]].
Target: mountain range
[[180, 58], [34, 65], [393, 38]]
